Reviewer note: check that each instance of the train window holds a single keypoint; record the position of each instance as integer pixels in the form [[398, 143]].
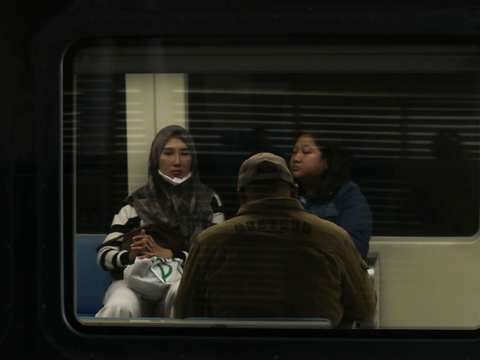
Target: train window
[[408, 116]]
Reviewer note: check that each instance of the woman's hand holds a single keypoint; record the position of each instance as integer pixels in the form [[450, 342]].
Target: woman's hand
[[145, 247], [162, 252], [142, 244]]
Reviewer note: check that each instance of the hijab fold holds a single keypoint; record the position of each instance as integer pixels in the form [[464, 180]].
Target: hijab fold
[[187, 203]]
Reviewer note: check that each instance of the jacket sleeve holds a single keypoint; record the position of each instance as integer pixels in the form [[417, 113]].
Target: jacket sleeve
[[356, 218], [359, 298], [110, 257], [218, 215], [190, 298]]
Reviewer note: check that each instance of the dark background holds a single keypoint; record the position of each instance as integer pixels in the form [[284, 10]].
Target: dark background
[[33, 36], [412, 139], [415, 185]]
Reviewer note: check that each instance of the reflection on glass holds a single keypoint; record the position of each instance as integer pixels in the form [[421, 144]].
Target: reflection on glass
[[412, 135]]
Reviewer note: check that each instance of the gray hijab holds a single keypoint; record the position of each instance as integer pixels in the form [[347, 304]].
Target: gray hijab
[[187, 203]]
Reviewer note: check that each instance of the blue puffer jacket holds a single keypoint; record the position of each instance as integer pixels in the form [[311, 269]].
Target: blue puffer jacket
[[348, 208]]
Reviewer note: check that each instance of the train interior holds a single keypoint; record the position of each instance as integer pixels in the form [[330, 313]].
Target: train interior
[[408, 116]]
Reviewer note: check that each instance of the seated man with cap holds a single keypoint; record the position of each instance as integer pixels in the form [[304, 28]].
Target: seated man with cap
[[273, 259]]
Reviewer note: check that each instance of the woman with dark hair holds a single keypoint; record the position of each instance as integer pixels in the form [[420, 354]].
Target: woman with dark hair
[[173, 194], [322, 172]]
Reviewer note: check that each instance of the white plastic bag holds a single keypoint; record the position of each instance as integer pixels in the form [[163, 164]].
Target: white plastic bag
[[151, 277]]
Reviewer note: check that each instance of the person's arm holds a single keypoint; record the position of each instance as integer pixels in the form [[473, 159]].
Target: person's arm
[[356, 218], [218, 215], [145, 245], [190, 298], [110, 257], [359, 298]]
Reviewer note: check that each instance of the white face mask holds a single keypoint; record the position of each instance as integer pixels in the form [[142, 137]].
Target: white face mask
[[175, 181]]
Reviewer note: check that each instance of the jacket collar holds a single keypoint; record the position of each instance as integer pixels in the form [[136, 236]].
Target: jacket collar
[[271, 205]]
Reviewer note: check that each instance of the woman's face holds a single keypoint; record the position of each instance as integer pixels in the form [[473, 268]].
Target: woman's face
[[175, 159], [307, 164]]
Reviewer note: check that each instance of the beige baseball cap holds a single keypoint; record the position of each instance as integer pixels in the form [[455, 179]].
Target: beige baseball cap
[[264, 166]]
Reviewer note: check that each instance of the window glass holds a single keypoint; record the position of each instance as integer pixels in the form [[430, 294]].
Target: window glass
[[407, 116], [411, 129]]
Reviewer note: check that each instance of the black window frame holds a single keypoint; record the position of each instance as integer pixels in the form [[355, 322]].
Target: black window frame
[[57, 325]]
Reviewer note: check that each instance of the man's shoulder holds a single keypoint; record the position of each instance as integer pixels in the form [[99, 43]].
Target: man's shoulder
[[327, 229], [305, 222], [214, 231], [327, 226]]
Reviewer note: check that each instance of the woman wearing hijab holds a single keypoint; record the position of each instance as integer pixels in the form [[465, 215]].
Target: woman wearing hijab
[[173, 194], [325, 189]]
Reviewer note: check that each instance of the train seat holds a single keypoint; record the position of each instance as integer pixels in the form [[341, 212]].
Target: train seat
[[91, 281]]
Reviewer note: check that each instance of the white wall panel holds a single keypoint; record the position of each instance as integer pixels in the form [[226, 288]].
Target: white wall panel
[[153, 102], [140, 126], [429, 285], [170, 100]]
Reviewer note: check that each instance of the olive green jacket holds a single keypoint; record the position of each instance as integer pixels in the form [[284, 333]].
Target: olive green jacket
[[273, 259]]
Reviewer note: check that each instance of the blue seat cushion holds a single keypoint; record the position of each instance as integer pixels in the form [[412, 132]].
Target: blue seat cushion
[[92, 282]]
